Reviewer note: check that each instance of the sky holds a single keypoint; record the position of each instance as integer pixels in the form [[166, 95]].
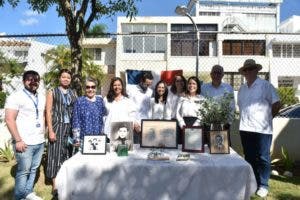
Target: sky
[[21, 20]]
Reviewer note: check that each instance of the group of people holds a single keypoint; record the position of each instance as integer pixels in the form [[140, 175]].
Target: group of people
[[69, 118]]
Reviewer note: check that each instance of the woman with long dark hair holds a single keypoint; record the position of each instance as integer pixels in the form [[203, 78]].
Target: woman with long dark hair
[[118, 106], [177, 90], [189, 105], [158, 105]]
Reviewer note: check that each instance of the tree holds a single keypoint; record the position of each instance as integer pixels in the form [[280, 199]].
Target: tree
[[98, 30], [9, 68], [78, 15], [59, 58]]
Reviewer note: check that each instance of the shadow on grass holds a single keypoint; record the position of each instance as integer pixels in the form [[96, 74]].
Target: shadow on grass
[[287, 197], [293, 180]]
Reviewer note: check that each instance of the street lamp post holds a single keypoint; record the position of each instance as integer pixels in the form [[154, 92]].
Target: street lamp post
[[183, 11]]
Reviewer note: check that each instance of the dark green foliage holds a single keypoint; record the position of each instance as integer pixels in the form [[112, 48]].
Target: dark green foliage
[[287, 96], [2, 99]]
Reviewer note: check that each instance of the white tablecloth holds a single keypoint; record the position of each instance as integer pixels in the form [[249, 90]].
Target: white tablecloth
[[204, 176]]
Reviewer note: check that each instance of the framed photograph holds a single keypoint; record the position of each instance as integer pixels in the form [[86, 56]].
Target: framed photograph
[[121, 134], [94, 144], [159, 134], [218, 141], [193, 140]]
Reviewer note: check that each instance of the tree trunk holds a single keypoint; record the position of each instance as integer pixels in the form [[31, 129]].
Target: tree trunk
[[76, 59]]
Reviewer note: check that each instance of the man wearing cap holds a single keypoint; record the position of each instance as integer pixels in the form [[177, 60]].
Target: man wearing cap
[[217, 89], [258, 103]]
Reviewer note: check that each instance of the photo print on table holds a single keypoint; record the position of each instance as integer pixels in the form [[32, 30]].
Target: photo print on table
[[159, 134], [121, 134]]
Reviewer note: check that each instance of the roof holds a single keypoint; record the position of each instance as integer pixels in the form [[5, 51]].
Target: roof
[[17, 43]]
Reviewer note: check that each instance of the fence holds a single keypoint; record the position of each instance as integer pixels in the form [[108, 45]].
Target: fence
[[278, 53]]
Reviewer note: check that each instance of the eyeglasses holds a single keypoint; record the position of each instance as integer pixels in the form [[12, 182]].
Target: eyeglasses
[[90, 87]]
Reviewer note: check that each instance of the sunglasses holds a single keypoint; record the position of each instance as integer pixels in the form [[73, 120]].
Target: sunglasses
[[35, 80], [90, 87]]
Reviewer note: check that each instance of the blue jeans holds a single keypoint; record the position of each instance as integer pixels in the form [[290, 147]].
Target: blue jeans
[[27, 165], [256, 148]]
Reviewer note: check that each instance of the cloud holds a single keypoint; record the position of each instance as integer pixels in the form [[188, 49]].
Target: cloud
[[30, 13], [29, 21]]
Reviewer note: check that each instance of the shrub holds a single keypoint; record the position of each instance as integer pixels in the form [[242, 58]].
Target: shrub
[[2, 99], [6, 153], [287, 96]]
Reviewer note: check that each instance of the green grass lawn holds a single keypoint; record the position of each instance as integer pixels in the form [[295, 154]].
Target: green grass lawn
[[281, 188]]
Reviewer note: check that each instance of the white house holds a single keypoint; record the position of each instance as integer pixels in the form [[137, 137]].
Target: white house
[[28, 52], [230, 32], [103, 52]]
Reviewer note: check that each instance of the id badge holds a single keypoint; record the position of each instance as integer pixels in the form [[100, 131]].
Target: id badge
[[66, 119]]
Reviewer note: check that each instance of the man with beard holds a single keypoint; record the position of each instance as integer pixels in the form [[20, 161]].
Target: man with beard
[[24, 116], [141, 96]]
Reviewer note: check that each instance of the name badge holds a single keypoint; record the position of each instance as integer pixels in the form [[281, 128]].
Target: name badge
[[66, 119]]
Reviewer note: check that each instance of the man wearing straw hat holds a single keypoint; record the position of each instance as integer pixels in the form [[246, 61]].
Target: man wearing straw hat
[[258, 103]]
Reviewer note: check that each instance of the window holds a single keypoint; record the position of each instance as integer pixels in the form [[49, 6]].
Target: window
[[21, 54], [95, 53], [209, 13], [184, 44], [144, 43], [235, 79], [244, 47], [286, 50]]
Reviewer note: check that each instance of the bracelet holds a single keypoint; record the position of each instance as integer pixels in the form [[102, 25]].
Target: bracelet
[[18, 141]]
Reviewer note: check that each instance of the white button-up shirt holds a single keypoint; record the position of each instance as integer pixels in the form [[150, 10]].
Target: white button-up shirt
[[118, 111], [141, 100], [255, 105], [30, 128], [188, 107], [159, 110]]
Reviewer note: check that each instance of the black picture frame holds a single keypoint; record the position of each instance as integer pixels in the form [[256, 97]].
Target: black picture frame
[[115, 140], [193, 139], [219, 142], [94, 144], [159, 134]]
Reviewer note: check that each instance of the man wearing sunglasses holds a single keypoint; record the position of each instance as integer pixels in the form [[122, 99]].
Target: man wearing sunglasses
[[258, 104], [24, 116]]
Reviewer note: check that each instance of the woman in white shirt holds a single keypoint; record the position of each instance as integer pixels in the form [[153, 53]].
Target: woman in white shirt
[[177, 90], [189, 105], [158, 105], [119, 107]]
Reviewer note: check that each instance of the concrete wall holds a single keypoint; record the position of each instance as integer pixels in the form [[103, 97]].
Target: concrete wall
[[285, 133]]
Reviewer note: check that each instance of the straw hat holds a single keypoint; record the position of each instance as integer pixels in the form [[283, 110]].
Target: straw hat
[[250, 63]]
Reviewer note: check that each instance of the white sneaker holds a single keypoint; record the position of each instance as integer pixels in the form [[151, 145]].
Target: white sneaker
[[33, 196], [262, 192]]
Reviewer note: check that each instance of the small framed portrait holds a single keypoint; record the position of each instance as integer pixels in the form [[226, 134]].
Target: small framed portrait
[[218, 141], [159, 134], [94, 144], [193, 140], [121, 135]]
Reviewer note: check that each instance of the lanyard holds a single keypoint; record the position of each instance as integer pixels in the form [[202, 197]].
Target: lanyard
[[66, 100], [36, 103]]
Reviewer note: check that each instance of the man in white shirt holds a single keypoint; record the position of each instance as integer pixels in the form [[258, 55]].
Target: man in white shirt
[[141, 95], [24, 117], [217, 89], [258, 104]]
